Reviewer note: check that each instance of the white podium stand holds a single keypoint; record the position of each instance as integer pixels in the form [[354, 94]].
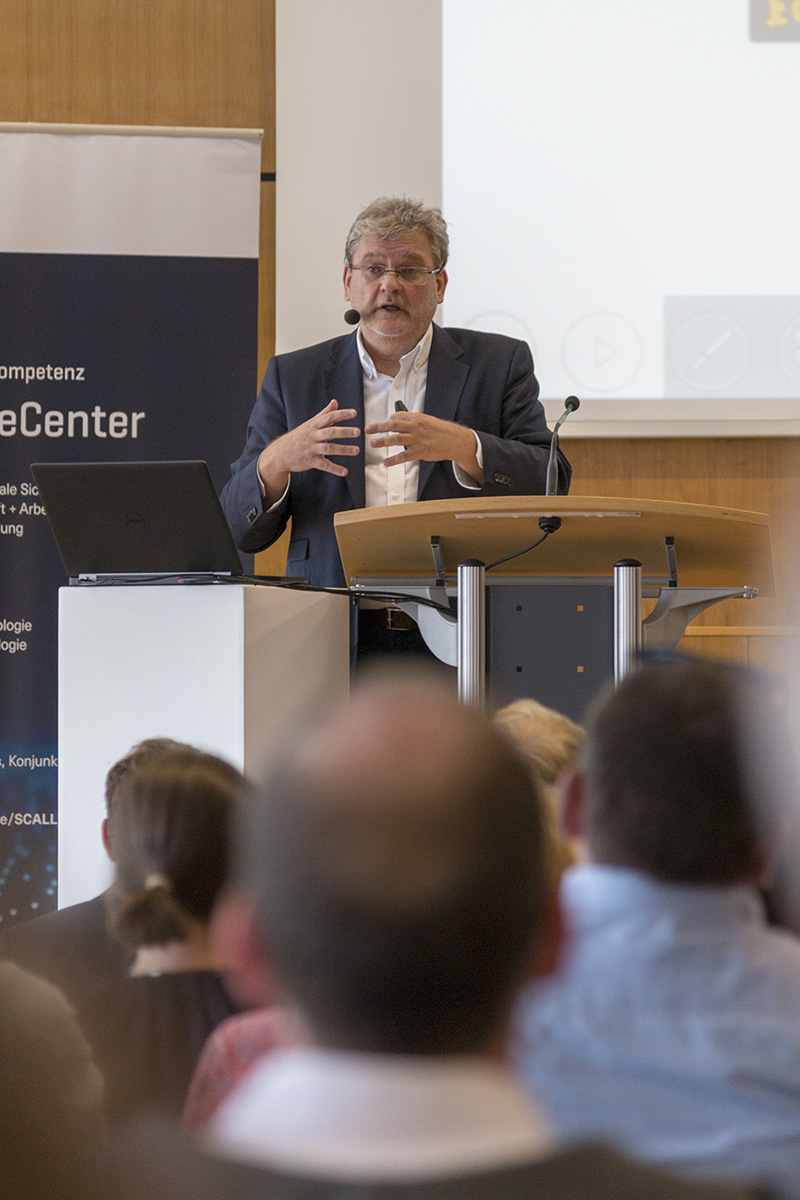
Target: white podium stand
[[226, 667]]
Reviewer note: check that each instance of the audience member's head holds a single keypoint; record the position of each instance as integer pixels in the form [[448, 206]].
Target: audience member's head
[[396, 864], [550, 743], [172, 826], [143, 752], [686, 773]]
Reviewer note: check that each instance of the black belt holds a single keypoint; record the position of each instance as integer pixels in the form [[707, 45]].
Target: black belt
[[386, 618]]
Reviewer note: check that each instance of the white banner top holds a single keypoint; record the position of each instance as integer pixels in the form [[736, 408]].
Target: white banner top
[[203, 174]]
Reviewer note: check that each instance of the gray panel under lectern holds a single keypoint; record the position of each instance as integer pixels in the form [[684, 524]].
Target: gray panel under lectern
[[553, 644], [554, 616]]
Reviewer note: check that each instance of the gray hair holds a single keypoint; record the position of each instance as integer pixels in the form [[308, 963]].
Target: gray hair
[[392, 216]]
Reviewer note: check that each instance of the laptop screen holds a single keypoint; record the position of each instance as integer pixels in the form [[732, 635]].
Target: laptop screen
[[136, 518]]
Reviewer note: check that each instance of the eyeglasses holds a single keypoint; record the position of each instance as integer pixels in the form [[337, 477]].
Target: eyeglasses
[[412, 276]]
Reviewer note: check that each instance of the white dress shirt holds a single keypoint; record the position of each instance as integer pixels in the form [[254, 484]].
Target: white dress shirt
[[392, 485], [397, 484], [379, 1117]]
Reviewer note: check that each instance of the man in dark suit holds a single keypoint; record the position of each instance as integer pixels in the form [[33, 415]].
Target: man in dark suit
[[401, 410], [72, 946]]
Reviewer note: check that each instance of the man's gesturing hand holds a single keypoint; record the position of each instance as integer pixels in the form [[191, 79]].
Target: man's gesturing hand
[[421, 436], [307, 448]]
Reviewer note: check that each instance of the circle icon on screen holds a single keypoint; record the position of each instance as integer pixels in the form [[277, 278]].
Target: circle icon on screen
[[710, 352], [789, 350], [507, 323], [602, 352]]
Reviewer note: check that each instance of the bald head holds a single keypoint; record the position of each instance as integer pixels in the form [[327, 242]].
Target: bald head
[[397, 865]]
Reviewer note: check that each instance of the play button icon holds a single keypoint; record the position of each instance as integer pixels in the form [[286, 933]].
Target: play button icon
[[602, 352]]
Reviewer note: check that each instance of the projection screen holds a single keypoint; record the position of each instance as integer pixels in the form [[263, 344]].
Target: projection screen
[[621, 181]]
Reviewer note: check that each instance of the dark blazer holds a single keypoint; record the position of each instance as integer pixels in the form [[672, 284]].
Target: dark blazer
[[482, 380], [151, 1162], [71, 947]]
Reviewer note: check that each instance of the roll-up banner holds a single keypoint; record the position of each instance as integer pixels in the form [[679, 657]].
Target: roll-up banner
[[128, 331]]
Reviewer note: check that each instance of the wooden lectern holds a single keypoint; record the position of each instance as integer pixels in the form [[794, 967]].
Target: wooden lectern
[[688, 556]]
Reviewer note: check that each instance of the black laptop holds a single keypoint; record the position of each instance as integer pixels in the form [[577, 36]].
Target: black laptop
[[136, 519]]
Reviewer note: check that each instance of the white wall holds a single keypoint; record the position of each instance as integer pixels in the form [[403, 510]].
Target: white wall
[[358, 116]]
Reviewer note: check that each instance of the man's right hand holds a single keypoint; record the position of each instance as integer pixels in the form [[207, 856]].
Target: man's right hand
[[307, 448]]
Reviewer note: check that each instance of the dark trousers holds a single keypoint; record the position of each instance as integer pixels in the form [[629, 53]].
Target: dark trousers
[[374, 639]]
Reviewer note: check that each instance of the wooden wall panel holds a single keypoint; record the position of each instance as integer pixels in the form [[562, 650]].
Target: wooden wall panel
[[767, 649], [149, 62], [759, 474], [729, 649]]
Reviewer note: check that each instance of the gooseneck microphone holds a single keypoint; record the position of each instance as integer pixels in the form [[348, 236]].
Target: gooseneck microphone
[[352, 317], [551, 480], [551, 523]]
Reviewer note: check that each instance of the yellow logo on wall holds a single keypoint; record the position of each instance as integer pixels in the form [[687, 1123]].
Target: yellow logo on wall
[[775, 20]]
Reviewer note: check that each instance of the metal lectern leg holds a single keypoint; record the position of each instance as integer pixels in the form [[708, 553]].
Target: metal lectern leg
[[627, 615], [472, 633]]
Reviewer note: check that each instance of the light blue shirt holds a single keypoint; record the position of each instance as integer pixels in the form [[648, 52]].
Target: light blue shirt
[[672, 1028]]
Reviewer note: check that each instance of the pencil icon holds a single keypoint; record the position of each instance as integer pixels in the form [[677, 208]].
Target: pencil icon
[[712, 348]]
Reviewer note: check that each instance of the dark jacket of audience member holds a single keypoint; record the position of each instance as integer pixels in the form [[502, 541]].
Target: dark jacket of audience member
[[72, 947], [51, 1092]]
